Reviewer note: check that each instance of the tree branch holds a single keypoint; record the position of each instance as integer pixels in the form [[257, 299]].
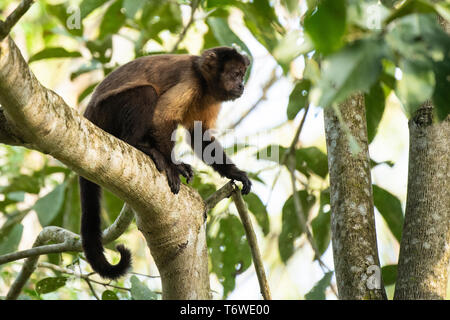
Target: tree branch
[[194, 6], [251, 238], [14, 17], [67, 241], [224, 192], [172, 225]]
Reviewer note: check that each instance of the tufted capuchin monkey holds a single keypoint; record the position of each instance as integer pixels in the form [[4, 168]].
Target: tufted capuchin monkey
[[142, 103]]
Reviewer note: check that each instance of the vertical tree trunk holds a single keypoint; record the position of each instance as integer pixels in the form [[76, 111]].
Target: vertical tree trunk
[[425, 246], [357, 266]]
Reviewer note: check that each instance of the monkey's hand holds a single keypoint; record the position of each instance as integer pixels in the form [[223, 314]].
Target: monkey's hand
[[242, 177], [186, 171]]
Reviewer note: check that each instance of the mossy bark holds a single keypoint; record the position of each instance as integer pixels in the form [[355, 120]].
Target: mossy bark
[[357, 265]]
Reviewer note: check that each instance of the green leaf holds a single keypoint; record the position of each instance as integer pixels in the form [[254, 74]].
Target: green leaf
[[290, 47], [48, 207], [85, 68], [291, 228], [410, 7], [229, 251], [132, 7], [139, 291], [54, 52], [113, 20], [257, 207], [71, 210], [375, 102], [291, 5], [354, 68], [50, 284], [262, 21], [67, 18], [415, 87], [205, 189], [157, 16], [88, 6], [101, 49], [236, 148], [326, 25], [112, 204], [224, 35], [423, 50], [390, 209], [311, 159], [10, 240], [272, 152], [321, 227], [389, 274], [298, 99], [86, 92], [24, 183], [318, 291], [441, 94], [109, 295]]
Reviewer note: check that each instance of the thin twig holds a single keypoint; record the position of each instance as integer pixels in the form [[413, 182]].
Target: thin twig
[[145, 275], [289, 151], [88, 281], [14, 17], [78, 275], [194, 6], [251, 238]]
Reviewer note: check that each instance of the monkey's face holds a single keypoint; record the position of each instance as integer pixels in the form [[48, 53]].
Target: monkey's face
[[232, 79]]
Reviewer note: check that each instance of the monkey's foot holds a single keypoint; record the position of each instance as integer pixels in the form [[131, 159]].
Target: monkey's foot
[[173, 178]]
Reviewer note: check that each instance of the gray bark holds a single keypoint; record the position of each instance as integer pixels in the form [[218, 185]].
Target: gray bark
[[355, 252], [425, 246], [173, 226]]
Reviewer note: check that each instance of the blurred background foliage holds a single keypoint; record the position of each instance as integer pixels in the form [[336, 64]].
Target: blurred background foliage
[[304, 54]]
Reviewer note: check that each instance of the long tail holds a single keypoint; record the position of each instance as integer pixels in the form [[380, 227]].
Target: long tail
[[91, 234]]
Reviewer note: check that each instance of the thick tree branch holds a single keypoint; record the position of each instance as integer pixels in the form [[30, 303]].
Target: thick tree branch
[[172, 225]]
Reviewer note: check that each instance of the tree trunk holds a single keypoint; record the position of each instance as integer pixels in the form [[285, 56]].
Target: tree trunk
[[357, 266], [425, 246]]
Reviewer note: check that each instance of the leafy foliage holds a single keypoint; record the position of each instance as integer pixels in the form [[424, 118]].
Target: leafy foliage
[[318, 291], [378, 48], [229, 252]]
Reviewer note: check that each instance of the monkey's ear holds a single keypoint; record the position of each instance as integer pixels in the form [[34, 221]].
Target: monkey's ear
[[209, 59]]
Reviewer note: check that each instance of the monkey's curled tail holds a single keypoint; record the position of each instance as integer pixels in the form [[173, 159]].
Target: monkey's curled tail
[[91, 234]]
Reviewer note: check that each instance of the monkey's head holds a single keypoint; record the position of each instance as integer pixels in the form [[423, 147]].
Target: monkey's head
[[224, 69]]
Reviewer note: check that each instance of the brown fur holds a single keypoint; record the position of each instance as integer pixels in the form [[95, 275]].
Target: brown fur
[[142, 103]]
